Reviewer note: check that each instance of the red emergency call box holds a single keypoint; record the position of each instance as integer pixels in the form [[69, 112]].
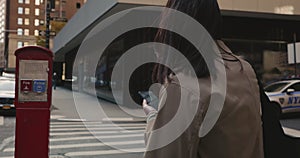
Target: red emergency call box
[[33, 94]]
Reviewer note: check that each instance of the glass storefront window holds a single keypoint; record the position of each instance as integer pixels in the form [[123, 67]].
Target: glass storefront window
[[269, 59]]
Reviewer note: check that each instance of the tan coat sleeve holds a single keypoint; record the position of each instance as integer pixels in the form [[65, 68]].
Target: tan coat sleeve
[[185, 145]]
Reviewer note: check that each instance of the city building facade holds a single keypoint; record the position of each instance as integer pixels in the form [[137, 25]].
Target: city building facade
[[251, 28], [23, 20], [2, 32], [259, 31]]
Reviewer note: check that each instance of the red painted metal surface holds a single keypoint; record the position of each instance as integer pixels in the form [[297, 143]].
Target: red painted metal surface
[[32, 117]]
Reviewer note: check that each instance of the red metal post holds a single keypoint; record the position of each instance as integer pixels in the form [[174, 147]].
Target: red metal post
[[33, 100]]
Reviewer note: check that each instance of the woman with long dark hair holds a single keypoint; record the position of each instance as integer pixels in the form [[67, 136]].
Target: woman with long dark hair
[[238, 131]]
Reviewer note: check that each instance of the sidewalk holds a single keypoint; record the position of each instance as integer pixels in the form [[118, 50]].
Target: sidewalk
[[76, 106]]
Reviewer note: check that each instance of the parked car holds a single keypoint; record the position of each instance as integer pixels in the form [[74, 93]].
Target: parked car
[[7, 95], [8, 75], [285, 93]]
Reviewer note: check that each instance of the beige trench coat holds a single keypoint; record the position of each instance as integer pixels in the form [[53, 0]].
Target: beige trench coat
[[236, 134]]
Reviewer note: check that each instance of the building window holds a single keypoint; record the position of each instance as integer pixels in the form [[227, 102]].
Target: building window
[[56, 14], [37, 11], [63, 14], [37, 2], [36, 22], [20, 44], [20, 1], [20, 31], [20, 21], [26, 43], [78, 5], [36, 32], [27, 11], [42, 22], [26, 21], [20, 10], [26, 32], [27, 1]]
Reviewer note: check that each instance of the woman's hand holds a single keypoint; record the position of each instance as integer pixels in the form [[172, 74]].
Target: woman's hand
[[148, 109]]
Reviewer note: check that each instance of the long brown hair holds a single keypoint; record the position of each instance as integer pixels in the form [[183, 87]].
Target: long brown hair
[[207, 13]]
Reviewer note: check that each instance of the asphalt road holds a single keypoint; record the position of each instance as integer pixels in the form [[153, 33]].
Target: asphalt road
[[70, 134], [74, 139]]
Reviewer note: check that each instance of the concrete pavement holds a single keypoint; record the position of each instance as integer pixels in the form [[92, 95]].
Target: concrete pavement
[[73, 105]]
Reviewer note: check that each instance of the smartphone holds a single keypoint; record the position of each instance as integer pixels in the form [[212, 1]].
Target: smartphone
[[150, 97], [145, 95]]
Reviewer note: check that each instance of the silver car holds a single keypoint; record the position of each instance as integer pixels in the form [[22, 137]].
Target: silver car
[[286, 94], [7, 94]]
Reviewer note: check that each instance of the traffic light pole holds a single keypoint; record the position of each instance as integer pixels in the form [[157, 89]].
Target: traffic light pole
[[48, 10]]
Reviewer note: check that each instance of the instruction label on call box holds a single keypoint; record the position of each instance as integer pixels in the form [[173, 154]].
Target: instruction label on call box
[[33, 80]]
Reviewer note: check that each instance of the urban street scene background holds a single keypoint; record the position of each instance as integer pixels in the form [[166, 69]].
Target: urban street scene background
[[266, 33]]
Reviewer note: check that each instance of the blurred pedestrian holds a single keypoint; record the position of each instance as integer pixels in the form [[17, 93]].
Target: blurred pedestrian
[[238, 130], [54, 80]]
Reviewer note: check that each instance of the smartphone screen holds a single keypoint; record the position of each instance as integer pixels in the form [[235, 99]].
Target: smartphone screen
[[150, 97], [145, 95]]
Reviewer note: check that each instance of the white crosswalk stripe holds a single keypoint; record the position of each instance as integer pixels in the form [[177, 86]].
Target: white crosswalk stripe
[[96, 125], [97, 128], [77, 139], [98, 132], [1, 120], [94, 137], [102, 152]]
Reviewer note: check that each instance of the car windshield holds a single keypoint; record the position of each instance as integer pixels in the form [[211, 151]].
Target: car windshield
[[275, 87], [7, 86]]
